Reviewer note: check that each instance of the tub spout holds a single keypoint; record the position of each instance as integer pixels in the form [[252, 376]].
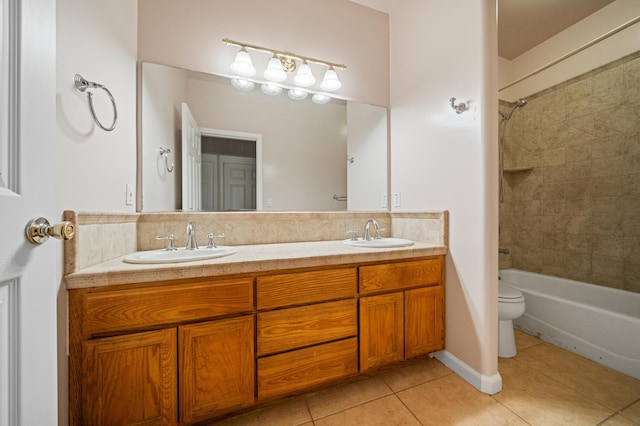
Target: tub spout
[[503, 250]]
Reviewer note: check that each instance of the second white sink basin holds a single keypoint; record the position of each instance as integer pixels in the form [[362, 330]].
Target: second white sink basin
[[179, 255], [379, 243]]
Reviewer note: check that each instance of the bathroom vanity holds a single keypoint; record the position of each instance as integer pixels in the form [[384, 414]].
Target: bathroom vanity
[[195, 341]]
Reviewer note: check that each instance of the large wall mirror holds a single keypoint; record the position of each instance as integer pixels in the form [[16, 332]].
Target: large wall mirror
[[256, 151]]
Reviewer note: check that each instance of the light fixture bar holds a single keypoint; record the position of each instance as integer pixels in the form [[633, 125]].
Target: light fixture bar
[[284, 54]]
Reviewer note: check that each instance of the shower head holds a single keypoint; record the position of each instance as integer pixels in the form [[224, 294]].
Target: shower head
[[519, 103]]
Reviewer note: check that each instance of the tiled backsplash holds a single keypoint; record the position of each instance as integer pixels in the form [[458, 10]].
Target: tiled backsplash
[[576, 212], [104, 236]]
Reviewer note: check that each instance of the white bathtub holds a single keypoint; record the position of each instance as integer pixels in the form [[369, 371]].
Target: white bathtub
[[599, 323]]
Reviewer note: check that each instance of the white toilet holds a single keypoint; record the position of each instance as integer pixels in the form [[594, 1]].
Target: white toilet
[[510, 307]]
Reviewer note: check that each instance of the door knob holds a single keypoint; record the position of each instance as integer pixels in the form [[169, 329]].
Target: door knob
[[39, 230]]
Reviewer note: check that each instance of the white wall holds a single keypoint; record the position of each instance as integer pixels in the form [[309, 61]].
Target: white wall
[[189, 33], [444, 160], [98, 40], [617, 46]]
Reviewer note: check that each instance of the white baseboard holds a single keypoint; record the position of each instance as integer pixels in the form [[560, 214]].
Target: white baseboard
[[485, 384]]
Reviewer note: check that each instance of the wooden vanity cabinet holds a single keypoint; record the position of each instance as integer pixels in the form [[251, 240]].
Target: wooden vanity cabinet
[[307, 327], [162, 355], [184, 352], [401, 311]]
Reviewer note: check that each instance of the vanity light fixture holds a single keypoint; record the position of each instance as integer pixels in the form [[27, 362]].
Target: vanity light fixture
[[242, 84], [242, 65], [271, 89], [297, 94], [282, 63], [275, 72], [330, 81], [319, 98], [304, 77]]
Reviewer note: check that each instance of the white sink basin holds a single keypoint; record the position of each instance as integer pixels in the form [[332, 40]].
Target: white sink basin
[[180, 255], [379, 243]]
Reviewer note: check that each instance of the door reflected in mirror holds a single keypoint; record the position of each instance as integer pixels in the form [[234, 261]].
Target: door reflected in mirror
[[301, 148]]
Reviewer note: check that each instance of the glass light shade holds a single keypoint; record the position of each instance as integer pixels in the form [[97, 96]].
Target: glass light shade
[[271, 89], [330, 81], [297, 94], [319, 98], [242, 84], [242, 65], [274, 71], [304, 77]]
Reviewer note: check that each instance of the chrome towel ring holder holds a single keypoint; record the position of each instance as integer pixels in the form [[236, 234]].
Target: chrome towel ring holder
[[82, 85]]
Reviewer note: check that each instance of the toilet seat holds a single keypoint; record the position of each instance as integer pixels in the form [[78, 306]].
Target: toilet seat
[[508, 294]]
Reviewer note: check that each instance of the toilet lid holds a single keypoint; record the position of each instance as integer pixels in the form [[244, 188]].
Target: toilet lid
[[509, 294]]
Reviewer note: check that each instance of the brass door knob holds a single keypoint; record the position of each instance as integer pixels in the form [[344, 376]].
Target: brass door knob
[[39, 230]]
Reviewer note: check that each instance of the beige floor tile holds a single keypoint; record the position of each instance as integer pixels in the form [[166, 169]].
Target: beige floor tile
[[604, 385], [387, 411], [288, 413], [524, 340], [618, 420], [452, 401], [340, 398], [540, 400], [632, 412], [418, 372]]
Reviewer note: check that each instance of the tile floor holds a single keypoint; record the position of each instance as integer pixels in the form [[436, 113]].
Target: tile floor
[[542, 385]]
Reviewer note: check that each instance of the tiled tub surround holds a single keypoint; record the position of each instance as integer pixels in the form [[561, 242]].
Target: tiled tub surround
[[575, 213], [268, 240]]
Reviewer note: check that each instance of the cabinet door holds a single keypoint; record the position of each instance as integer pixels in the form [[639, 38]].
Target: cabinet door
[[424, 321], [130, 380], [217, 367], [381, 330]]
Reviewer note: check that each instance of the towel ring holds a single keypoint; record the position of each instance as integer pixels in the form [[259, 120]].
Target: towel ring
[[82, 85]]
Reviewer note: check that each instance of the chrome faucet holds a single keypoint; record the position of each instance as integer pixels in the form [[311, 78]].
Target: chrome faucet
[[367, 232], [191, 237]]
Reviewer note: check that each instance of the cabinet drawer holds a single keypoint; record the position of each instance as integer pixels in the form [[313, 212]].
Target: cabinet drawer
[[394, 276], [292, 371], [144, 307], [287, 329], [306, 287]]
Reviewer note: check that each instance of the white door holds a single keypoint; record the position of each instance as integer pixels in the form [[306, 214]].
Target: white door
[[238, 183], [28, 280], [191, 162], [209, 189]]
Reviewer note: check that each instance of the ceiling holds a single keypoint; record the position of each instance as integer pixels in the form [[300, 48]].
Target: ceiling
[[523, 24]]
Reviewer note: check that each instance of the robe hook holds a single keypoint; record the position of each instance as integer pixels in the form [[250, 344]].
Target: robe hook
[[165, 153]]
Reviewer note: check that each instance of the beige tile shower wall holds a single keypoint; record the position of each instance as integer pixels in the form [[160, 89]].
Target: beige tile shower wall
[[576, 212], [104, 236]]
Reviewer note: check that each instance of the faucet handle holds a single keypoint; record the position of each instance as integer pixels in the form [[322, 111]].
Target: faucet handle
[[172, 244], [377, 236], [212, 243], [354, 234]]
